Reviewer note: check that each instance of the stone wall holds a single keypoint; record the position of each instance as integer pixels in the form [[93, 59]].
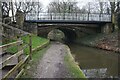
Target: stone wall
[[20, 19], [31, 27]]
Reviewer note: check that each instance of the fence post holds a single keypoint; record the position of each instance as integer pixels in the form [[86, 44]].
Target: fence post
[[30, 46], [18, 48]]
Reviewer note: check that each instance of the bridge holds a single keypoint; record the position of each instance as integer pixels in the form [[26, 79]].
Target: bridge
[[69, 23], [45, 22], [70, 18]]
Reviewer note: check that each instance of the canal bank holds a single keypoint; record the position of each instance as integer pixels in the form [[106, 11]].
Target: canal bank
[[56, 62], [109, 42], [96, 63]]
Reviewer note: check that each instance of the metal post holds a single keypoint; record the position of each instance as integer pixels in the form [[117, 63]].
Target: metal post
[[50, 16], [100, 17], [88, 15]]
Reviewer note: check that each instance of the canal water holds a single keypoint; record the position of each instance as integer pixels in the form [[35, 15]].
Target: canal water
[[96, 63]]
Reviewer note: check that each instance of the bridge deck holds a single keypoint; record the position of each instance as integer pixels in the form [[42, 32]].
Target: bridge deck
[[67, 21]]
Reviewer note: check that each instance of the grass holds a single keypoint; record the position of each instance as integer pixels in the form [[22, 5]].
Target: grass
[[36, 41], [74, 69]]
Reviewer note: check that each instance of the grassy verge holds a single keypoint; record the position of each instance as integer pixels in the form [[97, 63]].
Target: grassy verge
[[36, 41], [74, 69]]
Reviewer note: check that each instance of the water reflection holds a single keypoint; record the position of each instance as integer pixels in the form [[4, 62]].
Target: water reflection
[[94, 73], [96, 63]]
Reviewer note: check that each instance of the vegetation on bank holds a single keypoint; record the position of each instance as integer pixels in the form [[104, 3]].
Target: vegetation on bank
[[74, 69], [102, 41], [36, 41]]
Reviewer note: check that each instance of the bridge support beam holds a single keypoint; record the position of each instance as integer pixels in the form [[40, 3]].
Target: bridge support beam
[[107, 28]]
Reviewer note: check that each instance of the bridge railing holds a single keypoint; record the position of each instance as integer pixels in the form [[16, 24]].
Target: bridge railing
[[68, 16]]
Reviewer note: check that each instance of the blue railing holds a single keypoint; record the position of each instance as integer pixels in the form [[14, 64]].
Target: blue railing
[[68, 16]]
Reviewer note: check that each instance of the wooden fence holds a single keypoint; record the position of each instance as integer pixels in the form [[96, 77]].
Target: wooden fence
[[19, 67], [21, 61]]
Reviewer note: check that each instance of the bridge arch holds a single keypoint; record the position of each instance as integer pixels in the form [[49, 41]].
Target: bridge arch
[[70, 34], [67, 34], [56, 35]]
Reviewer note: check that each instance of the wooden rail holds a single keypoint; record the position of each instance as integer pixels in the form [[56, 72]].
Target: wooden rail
[[21, 62], [5, 62], [13, 70], [6, 46], [20, 66]]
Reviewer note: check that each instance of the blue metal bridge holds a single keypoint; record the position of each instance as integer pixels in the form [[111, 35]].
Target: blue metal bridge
[[70, 18]]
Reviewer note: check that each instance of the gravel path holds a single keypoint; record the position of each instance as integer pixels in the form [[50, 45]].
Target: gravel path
[[52, 64]]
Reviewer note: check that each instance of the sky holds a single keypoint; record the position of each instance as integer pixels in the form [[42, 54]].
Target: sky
[[45, 3], [80, 2]]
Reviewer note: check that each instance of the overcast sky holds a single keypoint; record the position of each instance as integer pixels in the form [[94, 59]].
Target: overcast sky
[[45, 3], [80, 2]]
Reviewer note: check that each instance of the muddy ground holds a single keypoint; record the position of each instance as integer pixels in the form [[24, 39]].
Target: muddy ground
[[52, 64]]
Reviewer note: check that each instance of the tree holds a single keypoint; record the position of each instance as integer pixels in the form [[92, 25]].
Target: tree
[[118, 21], [37, 8], [115, 8], [29, 7], [25, 7], [0, 12], [63, 7], [118, 15], [5, 9]]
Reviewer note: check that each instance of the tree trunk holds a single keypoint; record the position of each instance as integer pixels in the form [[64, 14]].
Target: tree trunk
[[12, 11], [0, 12], [113, 14], [1, 27], [118, 20]]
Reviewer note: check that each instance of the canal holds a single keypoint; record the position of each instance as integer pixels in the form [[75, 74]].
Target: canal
[[95, 63]]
